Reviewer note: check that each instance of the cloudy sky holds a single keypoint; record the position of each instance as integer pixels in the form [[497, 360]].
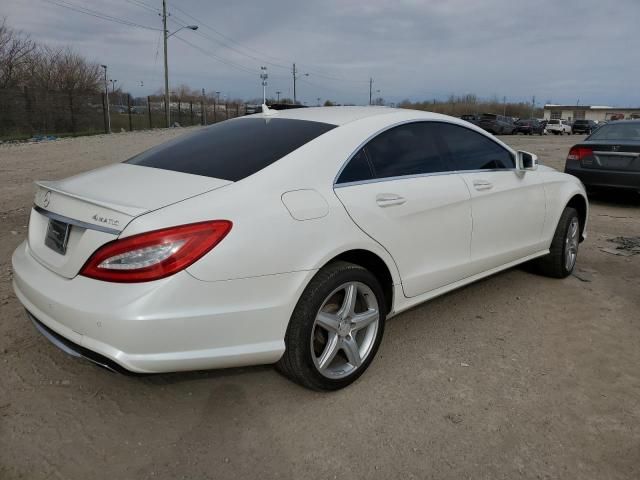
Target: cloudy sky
[[562, 51]]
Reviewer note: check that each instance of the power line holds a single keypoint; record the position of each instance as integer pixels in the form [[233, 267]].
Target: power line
[[261, 56], [96, 14], [143, 5], [229, 39], [215, 57]]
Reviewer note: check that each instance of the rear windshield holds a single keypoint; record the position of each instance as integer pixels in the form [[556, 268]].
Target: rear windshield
[[617, 131], [554, 122], [489, 116], [580, 122], [232, 150]]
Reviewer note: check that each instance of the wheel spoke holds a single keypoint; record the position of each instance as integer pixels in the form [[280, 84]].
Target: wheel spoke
[[349, 302], [328, 321], [351, 349], [362, 320], [329, 352]]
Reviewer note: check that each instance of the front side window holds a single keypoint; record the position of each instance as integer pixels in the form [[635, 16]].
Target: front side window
[[470, 150]]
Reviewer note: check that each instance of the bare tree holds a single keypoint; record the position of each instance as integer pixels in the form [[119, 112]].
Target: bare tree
[[15, 52], [74, 74]]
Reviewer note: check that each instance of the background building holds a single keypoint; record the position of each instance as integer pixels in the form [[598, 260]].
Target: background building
[[589, 112]]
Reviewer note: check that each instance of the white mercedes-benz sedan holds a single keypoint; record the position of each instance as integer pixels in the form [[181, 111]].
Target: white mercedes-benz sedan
[[285, 237]]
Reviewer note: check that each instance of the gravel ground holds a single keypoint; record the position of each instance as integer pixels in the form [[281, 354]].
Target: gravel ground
[[516, 376]]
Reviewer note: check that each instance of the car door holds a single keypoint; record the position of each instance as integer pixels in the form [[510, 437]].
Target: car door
[[401, 192], [508, 206]]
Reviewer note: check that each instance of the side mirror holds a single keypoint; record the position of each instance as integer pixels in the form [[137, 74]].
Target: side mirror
[[527, 161]]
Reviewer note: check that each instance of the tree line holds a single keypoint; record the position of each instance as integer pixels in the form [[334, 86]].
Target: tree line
[[26, 63], [470, 104]]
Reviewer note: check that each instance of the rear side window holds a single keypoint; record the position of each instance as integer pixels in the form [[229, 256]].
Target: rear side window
[[232, 150], [470, 150], [405, 150], [357, 169]]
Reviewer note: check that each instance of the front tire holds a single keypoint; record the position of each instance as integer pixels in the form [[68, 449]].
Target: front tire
[[563, 253], [336, 328]]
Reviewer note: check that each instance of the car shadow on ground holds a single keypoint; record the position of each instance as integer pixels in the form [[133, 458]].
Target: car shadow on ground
[[614, 198]]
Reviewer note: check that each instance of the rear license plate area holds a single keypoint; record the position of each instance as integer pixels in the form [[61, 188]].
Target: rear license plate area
[[614, 162], [57, 236]]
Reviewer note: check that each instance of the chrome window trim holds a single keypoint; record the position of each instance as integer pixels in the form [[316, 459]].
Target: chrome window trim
[[448, 172], [419, 175], [77, 223]]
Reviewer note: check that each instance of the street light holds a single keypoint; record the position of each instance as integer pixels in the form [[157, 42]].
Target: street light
[[166, 36], [106, 92]]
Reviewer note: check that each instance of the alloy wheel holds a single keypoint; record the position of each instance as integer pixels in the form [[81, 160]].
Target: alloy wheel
[[571, 244], [344, 330]]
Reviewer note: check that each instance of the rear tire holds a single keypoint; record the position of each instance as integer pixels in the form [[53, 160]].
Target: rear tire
[[563, 253], [335, 329]]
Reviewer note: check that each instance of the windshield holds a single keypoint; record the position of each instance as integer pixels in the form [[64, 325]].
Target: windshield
[[233, 150], [617, 131]]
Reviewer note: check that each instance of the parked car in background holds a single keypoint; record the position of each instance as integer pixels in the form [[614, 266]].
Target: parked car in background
[[583, 126], [558, 127], [609, 157], [529, 127], [474, 118], [158, 264], [497, 124]]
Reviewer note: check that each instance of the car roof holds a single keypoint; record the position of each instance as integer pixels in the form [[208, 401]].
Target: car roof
[[343, 115]]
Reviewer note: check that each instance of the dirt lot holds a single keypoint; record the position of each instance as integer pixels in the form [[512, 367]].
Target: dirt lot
[[516, 376]]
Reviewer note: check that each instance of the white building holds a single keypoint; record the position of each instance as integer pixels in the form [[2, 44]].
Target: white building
[[597, 113]]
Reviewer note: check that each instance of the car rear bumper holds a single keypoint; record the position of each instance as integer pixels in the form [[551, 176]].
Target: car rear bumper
[[177, 323], [606, 178]]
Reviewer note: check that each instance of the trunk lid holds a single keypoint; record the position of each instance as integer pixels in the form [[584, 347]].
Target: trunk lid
[[72, 218], [619, 156]]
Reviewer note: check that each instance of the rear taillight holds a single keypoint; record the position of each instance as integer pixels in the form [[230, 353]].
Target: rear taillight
[[154, 255], [578, 153]]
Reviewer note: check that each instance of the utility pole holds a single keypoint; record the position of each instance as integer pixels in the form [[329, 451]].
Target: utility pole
[[204, 108], [370, 90], [263, 77], [533, 106], [295, 77], [106, 92], [294, 83], [278, 94], [165, 35]]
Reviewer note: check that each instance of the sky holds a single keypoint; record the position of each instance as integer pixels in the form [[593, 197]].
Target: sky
[[560, 51]]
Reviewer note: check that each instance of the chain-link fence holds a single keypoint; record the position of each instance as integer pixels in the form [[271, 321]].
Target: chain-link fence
[[25, 113]]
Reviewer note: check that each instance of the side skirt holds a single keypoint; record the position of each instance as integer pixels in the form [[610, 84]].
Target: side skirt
[[405, 303]]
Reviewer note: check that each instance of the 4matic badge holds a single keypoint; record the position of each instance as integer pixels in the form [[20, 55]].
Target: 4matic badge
[[107, 221]]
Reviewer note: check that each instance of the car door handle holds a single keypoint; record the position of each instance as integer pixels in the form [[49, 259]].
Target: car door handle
[[389, 199], [482, 185]]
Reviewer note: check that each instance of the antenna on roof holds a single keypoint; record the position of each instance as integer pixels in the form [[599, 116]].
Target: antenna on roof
[[266, 111]]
